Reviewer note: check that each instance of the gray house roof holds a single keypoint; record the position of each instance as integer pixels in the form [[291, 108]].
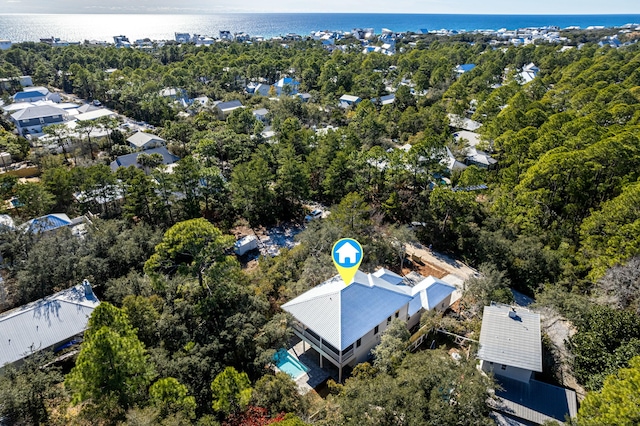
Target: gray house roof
[[38, 112], [132, 159], [513, 341], [341, 314], [229, 106], [534, 401], [140, 139], [350, 98], [430, 293], [45, 323]]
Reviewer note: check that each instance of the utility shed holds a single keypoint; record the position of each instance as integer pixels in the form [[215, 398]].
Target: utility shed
[[46, 323]]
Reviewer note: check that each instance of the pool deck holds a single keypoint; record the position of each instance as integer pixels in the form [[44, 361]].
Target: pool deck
[[316, 375]]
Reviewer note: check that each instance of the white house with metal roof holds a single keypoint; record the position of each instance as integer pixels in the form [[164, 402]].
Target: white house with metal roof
[[142, 141], [224, 109], [511, 348], [344, 322], [94, 114], [348, 100], [510, 343], [33, 119], [36, 93], [46, 323], [528, 74], [474, 156]]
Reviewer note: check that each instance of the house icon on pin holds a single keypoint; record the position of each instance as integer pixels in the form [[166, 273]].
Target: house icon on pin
[[347, 254]]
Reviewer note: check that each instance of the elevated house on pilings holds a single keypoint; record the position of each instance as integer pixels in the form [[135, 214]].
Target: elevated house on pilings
[[344, 322]]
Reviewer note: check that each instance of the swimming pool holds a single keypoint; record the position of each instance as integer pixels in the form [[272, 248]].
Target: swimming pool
[[289, 364]]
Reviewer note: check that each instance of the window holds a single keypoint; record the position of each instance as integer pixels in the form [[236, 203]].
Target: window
[[397, 314], [330, 347], [375, 330], [504, 367], [358, 343]]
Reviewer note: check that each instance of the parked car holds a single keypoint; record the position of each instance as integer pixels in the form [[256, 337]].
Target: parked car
[[97, 103], [316, 214]]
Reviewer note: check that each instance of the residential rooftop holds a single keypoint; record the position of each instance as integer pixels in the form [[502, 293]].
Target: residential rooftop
[[511, 336], [45, 323], [343, 313]]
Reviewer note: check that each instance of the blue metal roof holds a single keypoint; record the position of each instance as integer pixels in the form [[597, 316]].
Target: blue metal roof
[[364, 307], [47, 223], [389, 276], [32, 92], [428, 294], [536, 401], [286, 80], [342, 314], [466, 67]]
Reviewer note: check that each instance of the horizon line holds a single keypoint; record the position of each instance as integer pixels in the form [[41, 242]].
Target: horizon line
[[318, 13]]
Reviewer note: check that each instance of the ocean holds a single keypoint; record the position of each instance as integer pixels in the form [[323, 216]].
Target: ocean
[[102, 27]]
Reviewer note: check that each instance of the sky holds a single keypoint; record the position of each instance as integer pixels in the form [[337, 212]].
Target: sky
[[543, 7]]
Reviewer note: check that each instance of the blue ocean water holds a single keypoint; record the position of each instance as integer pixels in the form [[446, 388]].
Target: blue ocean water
[[78, 27]]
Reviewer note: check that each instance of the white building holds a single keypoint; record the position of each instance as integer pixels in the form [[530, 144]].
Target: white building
[[511, 349], [33, 119], [474, 156], [348, 100], [528, 73], [226, 108], [344, 322], [142, 141], [36, 93], [48, 323], [182, 37], [510, 342]]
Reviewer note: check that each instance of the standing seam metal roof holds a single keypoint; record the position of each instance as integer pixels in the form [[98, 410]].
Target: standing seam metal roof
[[45, 323], [511, 341], [47, 223], [38, 112], [139, 139], [342, 314]]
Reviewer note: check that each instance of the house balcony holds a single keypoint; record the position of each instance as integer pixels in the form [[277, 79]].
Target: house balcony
[[339, 358]]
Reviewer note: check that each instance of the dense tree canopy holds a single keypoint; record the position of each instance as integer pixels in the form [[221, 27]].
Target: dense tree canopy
[[558, 218]]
